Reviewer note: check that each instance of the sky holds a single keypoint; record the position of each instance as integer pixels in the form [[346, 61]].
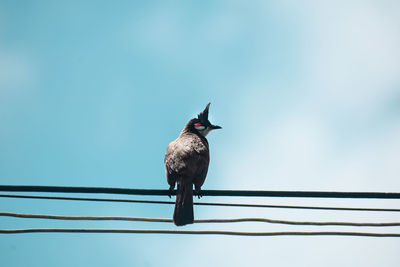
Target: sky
[[307, 93]]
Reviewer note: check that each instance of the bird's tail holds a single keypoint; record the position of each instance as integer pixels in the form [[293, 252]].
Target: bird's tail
[[183, 213]]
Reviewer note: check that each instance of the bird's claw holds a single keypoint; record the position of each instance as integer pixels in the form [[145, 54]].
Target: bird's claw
[[198, 193], [171, 191]]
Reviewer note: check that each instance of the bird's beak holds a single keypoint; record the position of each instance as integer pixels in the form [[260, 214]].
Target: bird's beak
[[214, 127]]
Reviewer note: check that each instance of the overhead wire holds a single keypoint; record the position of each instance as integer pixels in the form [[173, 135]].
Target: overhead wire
[[229, 193], [196, 232], [199, 203], [234, 220]]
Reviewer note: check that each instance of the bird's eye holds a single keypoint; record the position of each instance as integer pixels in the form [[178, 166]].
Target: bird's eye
[[199, 126]]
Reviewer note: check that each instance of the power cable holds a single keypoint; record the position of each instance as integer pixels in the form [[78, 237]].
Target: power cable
[[180, 232], [89, 199], [230, 193], [199, 203], [141, 219]]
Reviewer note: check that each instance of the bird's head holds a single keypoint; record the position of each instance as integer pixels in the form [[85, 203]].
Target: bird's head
[[202, 124]]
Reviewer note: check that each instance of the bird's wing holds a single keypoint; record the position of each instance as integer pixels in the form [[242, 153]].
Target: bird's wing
[[199, 160], [187, 157]]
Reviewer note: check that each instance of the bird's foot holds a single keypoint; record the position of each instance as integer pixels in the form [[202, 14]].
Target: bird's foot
[[197, 191], [171, 190]]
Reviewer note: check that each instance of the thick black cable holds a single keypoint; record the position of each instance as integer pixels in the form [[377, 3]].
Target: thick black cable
[[236, 220], [198, 203], [230, 193], [180, 232]]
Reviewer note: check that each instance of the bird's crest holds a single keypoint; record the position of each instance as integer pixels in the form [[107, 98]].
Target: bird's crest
[[203, 116]]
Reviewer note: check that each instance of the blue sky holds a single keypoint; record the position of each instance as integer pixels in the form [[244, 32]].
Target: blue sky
[[308, 94]]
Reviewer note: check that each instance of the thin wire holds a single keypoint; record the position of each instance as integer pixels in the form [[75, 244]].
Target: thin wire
[[198, 203], [294, 207], [230, 193], [298, 222], [233, 233], [89, 199], [141, 219], [91, 218]]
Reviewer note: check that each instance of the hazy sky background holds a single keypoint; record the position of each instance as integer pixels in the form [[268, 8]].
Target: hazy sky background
[[307, 92]]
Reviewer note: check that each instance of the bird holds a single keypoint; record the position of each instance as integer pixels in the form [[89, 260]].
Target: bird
[[186, 164]]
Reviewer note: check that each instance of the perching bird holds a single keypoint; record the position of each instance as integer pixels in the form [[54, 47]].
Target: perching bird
[[186, 163]]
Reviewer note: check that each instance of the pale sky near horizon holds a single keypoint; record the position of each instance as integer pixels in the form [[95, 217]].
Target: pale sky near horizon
[[307, 93]]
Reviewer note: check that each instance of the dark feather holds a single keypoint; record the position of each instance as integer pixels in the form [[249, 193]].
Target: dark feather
[[186, 164], [203, 116]]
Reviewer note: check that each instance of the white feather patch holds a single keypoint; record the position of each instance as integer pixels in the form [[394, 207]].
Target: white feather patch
[[200, 128]]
